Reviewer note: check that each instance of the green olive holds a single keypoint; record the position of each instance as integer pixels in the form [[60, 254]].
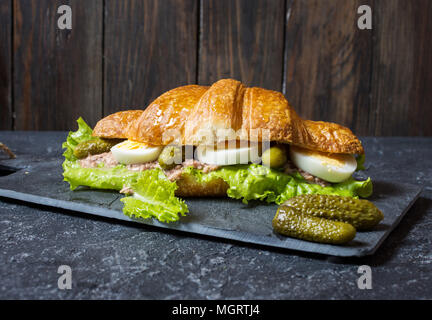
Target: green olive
[[171, 156], [94, 146], [274, 157]]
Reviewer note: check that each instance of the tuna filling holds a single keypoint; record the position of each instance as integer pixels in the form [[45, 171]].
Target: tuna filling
[[107, 158]]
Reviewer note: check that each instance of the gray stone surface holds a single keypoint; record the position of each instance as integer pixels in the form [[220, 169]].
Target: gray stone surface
[[42, 183], [119, 260]]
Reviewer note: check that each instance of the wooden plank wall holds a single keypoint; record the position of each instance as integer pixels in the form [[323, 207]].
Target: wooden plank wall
[[150, 47], [329, 62], [402, 63], [242, 40], [57, 73], [6, 118], [122, 54]]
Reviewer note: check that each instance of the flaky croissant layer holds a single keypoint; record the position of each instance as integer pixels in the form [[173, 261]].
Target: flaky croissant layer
[[193, 115]]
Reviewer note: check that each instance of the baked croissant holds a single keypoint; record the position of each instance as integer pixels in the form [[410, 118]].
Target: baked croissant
[[217, 141], [196, 111]]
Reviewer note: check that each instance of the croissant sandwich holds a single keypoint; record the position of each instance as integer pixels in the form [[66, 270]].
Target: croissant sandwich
[[223, 140]]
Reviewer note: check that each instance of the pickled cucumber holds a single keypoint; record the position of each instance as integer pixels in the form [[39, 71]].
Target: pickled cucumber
[[274, 157], [290, 222], [362, 214], [171, 156], [94, 146]]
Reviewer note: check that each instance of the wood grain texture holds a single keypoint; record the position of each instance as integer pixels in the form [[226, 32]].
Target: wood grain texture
[[402, 68], [5, 65], [58, 75], [123, 54], [329, 62], [151, 47], [242, 39]]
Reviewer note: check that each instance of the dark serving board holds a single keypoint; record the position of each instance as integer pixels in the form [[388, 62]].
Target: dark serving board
[[42, 183]]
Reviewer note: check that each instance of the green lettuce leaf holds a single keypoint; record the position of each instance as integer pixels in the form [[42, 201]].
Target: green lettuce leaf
[[257, 182], [362, 189], [98, 178], [84, 133], [154, 193], [154, 197]]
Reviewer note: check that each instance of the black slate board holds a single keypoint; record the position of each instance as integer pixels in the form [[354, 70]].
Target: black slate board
[[42, 183]]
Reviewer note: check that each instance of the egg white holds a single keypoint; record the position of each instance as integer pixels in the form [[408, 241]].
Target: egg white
[[329, 167], [131, 152], [227, 155]]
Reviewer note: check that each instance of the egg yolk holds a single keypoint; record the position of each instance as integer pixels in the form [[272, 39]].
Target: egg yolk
[[131, 145]]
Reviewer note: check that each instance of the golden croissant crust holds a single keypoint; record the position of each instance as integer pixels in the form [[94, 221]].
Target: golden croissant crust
[[197, 114], [116, 125]]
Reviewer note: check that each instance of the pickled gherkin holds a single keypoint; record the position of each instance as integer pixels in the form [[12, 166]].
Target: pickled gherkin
[[94, 146], [290, 222], [274, 157], [362, 214], [171, 156]]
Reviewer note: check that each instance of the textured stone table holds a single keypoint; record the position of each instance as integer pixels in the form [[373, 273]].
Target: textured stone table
[[115, 260]]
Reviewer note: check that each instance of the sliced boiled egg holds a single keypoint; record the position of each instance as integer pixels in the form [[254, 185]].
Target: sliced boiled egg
[[131, 152], [226, 154], [327, 166]]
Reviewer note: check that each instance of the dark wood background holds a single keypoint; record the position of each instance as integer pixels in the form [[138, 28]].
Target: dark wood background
[[122, 54]]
